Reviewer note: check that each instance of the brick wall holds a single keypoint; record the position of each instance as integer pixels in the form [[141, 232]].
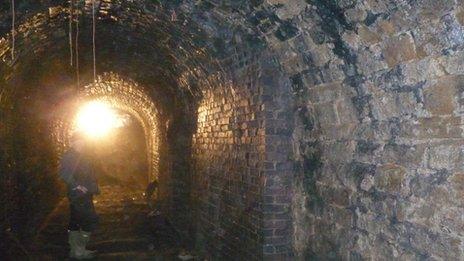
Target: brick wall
[[228, 154], [243, 166]]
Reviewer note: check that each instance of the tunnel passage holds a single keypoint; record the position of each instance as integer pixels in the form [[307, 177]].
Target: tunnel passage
[[170, 60], [300, 129], [123, 95]]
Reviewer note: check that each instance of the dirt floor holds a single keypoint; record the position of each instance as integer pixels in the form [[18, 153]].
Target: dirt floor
[[129, 230]]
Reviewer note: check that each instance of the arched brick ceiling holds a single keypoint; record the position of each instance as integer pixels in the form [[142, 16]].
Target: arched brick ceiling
[[137, 40]]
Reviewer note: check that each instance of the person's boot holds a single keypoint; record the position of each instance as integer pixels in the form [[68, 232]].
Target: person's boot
[[85, 238], [77, 246], [73, 240]]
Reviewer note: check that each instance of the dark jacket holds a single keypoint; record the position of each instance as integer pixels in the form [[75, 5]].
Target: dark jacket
[[77, 169]]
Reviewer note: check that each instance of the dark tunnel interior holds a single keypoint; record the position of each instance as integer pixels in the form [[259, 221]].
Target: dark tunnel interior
[[41, 97], [267, 129], [122, 158]]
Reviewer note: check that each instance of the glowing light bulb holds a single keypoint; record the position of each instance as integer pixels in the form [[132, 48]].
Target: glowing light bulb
[[96, 119]]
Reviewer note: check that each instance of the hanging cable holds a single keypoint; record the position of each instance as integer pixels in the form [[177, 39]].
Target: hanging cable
[[13, 33], [77, 46], [93, 43], [71, 18]]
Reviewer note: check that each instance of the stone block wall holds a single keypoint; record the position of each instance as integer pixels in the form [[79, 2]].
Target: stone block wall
[[378, 138]]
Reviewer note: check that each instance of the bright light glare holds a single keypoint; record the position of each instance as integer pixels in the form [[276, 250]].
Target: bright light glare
[[96, 119]]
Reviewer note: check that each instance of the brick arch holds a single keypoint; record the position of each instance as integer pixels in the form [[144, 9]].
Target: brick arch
[[125, 95]]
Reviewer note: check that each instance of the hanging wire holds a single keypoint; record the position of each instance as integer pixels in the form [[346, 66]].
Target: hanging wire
[[77, 46], [13, 33], [93, 43], [71, 18]]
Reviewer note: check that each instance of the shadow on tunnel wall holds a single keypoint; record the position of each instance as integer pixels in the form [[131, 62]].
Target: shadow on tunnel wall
[[29, 184], [180, 175]]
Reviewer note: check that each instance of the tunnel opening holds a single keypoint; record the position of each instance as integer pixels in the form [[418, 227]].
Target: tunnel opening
[[135, 109], [118, 143], [122, 158]]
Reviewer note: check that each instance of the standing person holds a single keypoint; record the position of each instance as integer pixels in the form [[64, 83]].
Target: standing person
[[78, 173]]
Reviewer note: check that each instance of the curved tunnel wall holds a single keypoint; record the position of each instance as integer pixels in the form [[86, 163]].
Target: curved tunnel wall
[[358, 119], [175, 75], [378, 128], [41, 73]]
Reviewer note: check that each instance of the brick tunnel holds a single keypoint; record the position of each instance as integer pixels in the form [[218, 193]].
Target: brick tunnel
[[275, 129]]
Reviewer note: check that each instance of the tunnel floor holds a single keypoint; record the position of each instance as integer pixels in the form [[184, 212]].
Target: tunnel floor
[[128, 230]]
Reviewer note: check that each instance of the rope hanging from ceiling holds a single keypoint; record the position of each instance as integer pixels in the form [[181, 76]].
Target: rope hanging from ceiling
[[13, 33], [93, 43], [77, 45], [74, 50], [70, 29]]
